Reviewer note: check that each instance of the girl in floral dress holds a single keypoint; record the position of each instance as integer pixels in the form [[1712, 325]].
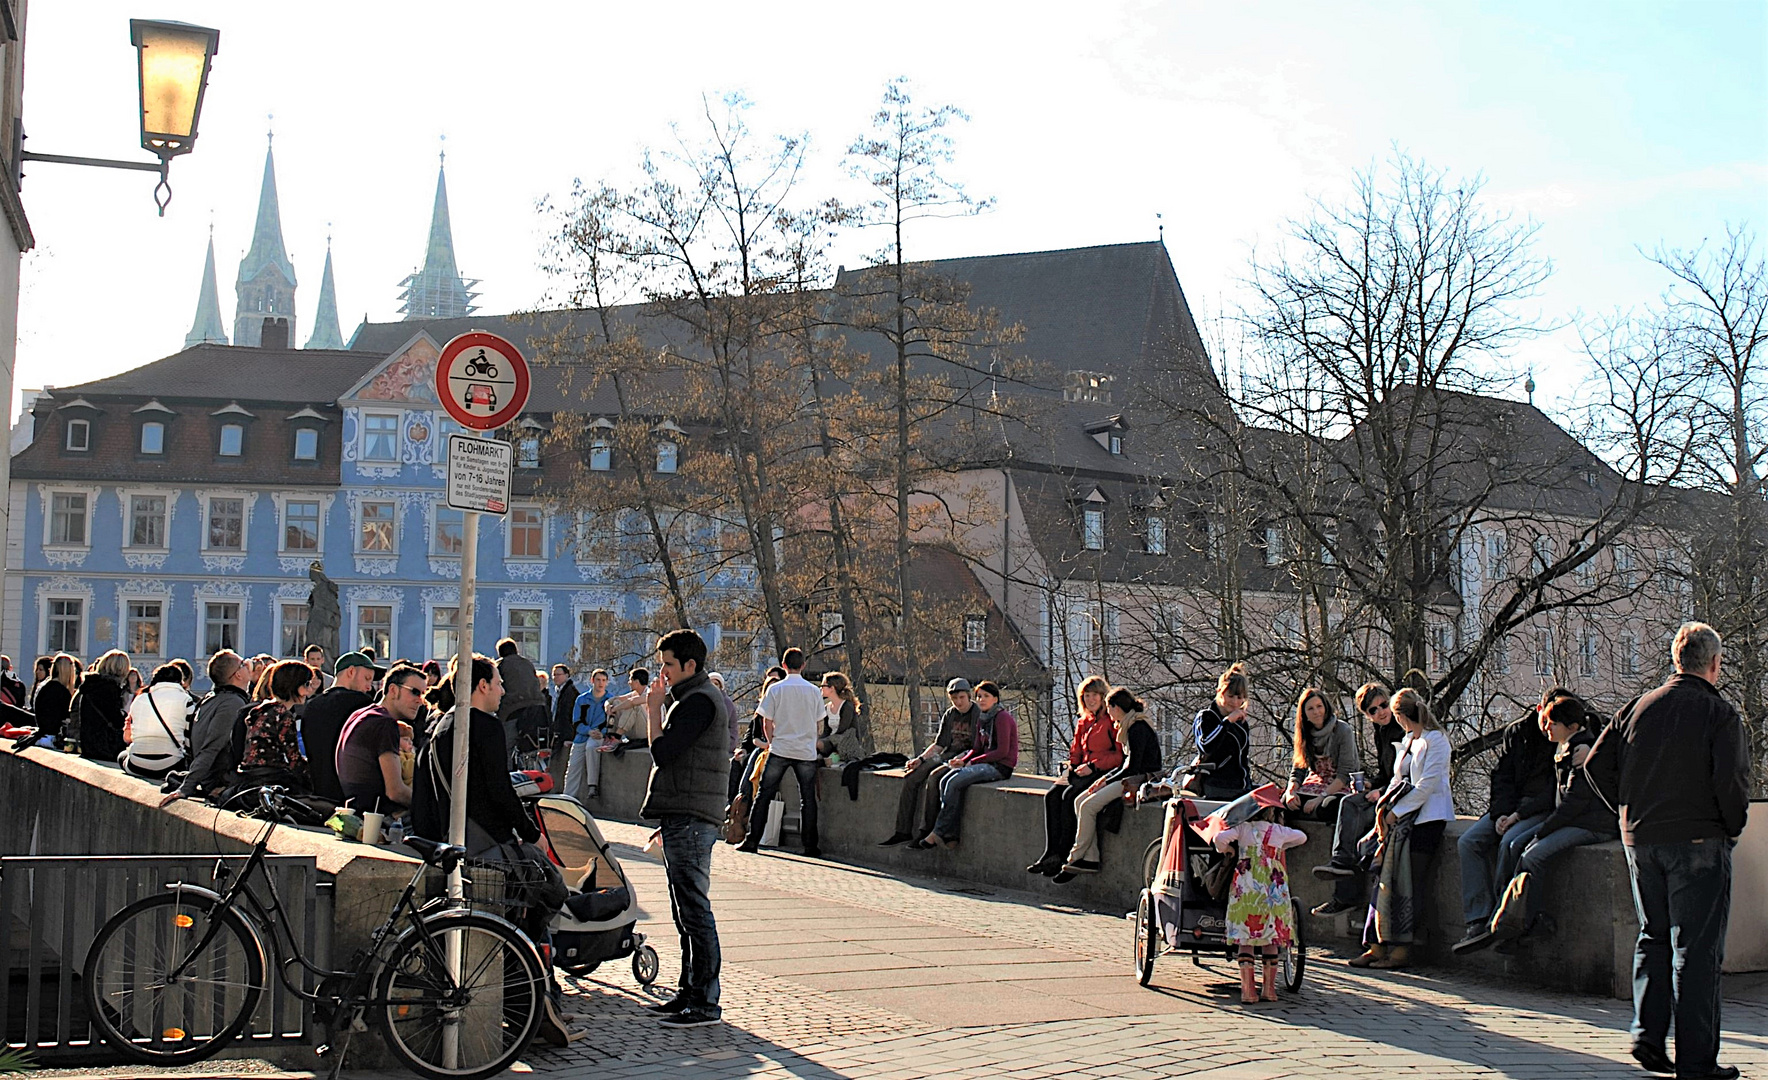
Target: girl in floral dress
[[1258, 903]]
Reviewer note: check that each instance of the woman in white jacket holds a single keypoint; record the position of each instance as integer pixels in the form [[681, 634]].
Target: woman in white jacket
[[157, 727], [1414, 811]]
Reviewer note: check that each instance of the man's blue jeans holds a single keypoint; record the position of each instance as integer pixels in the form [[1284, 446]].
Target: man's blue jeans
[[951, 795], [1541, 851], [687, 866], [1682, 892], [771, 775], [1488, 862]]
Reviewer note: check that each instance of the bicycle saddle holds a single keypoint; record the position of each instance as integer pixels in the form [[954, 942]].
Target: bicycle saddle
[[436, 853]]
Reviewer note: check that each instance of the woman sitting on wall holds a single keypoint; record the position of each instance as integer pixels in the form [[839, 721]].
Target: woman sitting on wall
[[100, 707], [1091, 754], [992, 758], [158, 726], [1223, 739], [1325, 758]]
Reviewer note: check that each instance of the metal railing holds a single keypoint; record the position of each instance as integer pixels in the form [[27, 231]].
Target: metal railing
[[52, 906]]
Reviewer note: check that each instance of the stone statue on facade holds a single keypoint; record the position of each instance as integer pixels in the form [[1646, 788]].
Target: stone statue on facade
[[322, 611]]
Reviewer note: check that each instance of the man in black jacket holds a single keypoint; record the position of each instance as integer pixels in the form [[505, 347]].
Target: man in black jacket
[[690, 742], [494, 813], [1521, 799], [322, 720], [1676, 764]]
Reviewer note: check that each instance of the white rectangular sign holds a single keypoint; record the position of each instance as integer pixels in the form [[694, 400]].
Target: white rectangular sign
[[479, 474]]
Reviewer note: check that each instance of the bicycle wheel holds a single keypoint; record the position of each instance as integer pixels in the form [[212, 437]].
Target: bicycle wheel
[[148, 1015], [1147, 939], [476, 1026], [1150, 864], [1292, 962]]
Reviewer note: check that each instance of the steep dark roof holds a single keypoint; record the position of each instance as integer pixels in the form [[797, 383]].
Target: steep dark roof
[[233, 372]]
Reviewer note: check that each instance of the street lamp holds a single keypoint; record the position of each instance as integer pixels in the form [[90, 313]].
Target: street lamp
[[173, 60]]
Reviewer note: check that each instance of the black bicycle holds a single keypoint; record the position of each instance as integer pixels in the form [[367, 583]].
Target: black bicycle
[[173, 979]]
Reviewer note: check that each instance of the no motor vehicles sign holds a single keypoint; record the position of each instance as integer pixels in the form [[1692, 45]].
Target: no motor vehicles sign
[[481, 380]]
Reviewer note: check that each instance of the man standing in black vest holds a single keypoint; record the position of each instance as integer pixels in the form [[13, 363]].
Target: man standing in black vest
[[690, 747]]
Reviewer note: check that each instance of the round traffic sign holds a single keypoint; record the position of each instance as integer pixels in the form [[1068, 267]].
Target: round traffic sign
[[482, 380]]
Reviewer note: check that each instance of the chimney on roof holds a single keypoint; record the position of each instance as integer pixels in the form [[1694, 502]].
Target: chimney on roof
[[275, 334]]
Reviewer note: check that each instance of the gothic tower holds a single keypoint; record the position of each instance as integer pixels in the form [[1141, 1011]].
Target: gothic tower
[[266, 283], [438, 291], [208, 326], [325, 320]]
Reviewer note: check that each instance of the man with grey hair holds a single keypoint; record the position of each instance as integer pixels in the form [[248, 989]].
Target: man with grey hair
[[1676, 765]]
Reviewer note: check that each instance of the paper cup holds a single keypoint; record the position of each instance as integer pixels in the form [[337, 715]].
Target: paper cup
[[371, 827]]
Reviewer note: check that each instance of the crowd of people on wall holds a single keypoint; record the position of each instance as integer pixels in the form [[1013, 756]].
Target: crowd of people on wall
[[1668, 775]]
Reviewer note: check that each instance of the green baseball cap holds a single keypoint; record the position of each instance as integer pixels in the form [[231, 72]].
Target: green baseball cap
[[353, 659]]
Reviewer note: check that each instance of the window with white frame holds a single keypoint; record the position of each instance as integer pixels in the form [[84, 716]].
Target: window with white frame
[[143, 627], [444, 632], [374, 628], [595, 636], [1116, 444], [1627, 654], [1092, 529], [522, 626], [1329, 546], [153, 437], [220, 626], [147, 521], [1626, 562], [67, 518], [1497, 556], [380, 437], [1287, 629], [79, 435], [834, 630], [1441, 645], [291, 636], [668, 456], [1586, 573], [1589, 653], [449, 536], [1499, 656], [233, 440], [528, 451], [1154, 536], [601, 455], [306, 444], [300, 525], [1273, 545], [1169, 628], [1542, 550], [227, 523], [375, 530], [1544, 652], [527, 533], [975, 634], [65, 621]]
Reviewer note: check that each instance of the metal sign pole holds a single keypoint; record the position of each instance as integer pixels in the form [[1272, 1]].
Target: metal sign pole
[[457, 788]]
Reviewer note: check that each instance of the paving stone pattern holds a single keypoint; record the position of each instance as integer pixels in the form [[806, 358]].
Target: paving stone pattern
[[837, 971]]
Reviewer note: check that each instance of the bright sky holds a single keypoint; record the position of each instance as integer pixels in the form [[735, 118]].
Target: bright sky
[[1616, 125]]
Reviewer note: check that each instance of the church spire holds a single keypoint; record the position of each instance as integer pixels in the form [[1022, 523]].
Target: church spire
[[266, 282], [438, 291], [325, 321], [208, 326]]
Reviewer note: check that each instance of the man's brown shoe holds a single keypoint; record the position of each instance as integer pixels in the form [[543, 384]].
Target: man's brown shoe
[[1400, 956], [1368, 959]]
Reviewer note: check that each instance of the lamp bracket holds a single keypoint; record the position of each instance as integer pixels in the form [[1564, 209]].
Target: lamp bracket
[[162, 192]]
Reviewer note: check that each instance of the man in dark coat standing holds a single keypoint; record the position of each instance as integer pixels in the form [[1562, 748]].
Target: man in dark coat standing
[[1676, 765], [523, 713]]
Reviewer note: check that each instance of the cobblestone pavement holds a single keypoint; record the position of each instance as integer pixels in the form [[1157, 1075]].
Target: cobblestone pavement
[[833, 971]]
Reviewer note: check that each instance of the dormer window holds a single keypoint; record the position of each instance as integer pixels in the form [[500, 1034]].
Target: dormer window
[[79, 435], [528, 451], [1273, 545], [1154, 536], [601, 456], [233, 440], [153, 437], [1116, 444], [1109, 434], [668, 456], [306, 444], [1092, 529]]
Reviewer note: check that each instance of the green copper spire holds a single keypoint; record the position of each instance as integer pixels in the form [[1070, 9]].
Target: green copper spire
[[325, 321], [208, 326], [265, 287], [438, 291]]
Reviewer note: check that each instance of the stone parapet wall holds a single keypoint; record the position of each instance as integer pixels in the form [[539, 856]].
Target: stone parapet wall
[[1588, 891]]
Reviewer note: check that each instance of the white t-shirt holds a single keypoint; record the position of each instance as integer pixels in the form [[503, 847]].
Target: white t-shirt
[[151, 739], [796, 707]]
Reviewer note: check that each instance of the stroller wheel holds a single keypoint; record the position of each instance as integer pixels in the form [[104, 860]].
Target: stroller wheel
[[644, 965], [1147, 938]]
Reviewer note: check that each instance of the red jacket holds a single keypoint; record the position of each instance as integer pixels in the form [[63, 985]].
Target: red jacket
[[1095, 743]]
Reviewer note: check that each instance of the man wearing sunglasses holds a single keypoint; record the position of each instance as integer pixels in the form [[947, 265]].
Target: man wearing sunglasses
[[1356, 811], [368, 750]]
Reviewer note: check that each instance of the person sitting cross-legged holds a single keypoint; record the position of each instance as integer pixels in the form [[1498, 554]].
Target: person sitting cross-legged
[[1137, 736], [957, 733], [1579, 817], [992, 759], [1521, 798]]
